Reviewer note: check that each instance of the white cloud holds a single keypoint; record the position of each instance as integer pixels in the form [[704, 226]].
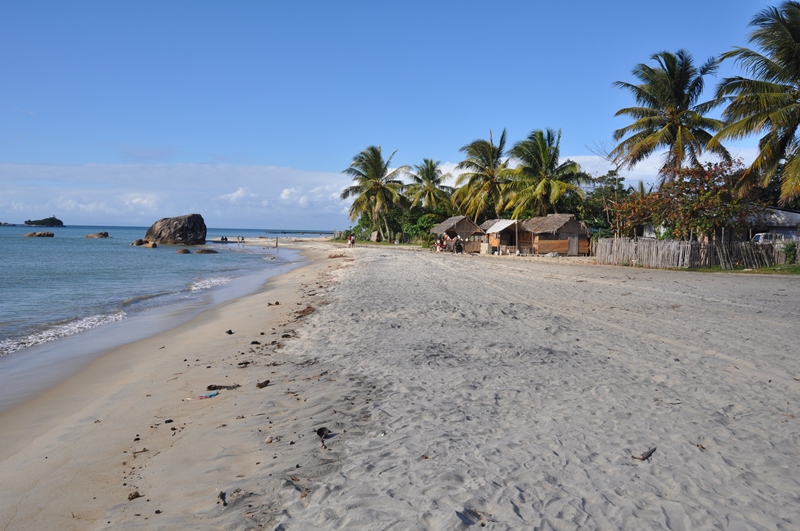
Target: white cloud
[[289, 193], [239, 195], [138, 194], [149, 201]]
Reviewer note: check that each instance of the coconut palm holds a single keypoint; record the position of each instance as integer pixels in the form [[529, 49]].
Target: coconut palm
[[539, 181], [426, 187], [769, 103], [377, 188], [668, 116], [484, 178]]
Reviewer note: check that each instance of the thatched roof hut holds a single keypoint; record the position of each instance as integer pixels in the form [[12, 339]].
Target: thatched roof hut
[[558, 233], [457, 226]]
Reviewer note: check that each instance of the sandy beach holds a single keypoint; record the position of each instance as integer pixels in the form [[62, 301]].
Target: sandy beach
[[451, 392]]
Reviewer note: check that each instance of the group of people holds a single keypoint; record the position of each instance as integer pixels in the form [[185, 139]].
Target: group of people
[[446, 243], [351, 241]]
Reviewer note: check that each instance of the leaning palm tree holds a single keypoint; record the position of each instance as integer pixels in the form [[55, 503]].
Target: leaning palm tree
[[482, 184], [427, 186], [539, 181], [377, 188], [769, 103], [668, 116]]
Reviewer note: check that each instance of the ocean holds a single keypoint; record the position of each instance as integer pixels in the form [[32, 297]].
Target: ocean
[[67, 299]]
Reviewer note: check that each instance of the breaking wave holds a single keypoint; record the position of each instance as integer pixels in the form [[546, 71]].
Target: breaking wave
[[58, 331]]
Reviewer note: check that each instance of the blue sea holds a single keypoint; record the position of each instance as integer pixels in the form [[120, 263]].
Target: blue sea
[[68, 298]]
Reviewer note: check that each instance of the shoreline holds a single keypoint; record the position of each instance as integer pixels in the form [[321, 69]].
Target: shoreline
[[78, 433], [451, 392], [30, 371]]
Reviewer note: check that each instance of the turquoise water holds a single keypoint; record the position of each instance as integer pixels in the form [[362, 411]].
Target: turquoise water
[[69, 298], [56, 287]]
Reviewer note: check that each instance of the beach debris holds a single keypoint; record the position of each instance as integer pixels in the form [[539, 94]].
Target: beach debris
[[262, 385], [168, 421], [243, 364], [221, 497], [645, 456], [229, 332], [701, 447], [215, 387], [133, 495], [137, 452], [323, 432], [255, 342], [268, 440], [212, 394], [305, 311]]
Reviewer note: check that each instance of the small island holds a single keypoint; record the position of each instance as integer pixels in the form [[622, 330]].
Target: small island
[[52, 221]]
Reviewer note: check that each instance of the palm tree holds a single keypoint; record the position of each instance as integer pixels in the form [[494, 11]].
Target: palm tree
[[539, 180], [376, 189], [768, 104], [482, 184], [668, 115], [426, 187]]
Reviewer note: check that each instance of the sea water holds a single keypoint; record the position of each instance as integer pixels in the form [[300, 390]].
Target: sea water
[[65, 299]]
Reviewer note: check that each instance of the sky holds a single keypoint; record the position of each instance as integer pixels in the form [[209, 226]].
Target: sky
[[123, 112]]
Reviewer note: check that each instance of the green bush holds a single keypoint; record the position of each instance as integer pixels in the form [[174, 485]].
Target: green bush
[[791, 252]]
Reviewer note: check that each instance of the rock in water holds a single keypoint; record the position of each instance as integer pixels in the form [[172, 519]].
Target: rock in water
[[39, 235], [188, 230]]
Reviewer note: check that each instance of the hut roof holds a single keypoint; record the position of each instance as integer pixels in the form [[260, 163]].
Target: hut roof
[[500, 225], [549, 224], [486, 225], [452, 223]]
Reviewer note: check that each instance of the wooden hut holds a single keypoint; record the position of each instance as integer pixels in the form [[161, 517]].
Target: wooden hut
[[504, 236], [555, 233], [462, 226]]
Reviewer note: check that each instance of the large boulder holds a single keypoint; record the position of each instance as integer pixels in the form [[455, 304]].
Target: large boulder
[[39, 235], [103, 234], [188, 230]]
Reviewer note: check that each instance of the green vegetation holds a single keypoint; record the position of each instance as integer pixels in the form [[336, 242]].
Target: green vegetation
[[52, 221], [769, 102], [791, 252], [668, 115], [692, 200]]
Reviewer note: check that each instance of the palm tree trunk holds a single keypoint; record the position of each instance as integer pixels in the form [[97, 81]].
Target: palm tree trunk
[[376, 223], [386, 222]]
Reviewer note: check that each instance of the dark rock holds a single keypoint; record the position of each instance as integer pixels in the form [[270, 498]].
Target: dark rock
[[138, 242], [39, 235], [52, 221], [183, 251], [103, 234], [188, 230], [206, 251]]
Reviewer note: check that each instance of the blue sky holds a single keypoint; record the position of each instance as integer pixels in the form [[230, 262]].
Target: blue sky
[[122, 112]]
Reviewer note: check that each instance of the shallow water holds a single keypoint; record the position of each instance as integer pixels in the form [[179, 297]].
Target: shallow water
[[69, 298]]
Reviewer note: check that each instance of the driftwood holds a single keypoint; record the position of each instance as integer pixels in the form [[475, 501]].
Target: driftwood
[[645, 456]]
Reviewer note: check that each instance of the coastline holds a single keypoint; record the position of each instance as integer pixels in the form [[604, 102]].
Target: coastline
[[61, 352], [459, 391], [71, 440]]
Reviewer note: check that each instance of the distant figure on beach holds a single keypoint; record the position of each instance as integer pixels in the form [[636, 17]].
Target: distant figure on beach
[[351, 241]]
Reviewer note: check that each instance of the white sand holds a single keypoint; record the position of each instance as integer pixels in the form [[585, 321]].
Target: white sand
[[460, 392]]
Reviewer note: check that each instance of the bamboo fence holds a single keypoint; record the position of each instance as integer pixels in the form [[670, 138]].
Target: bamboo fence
[[674, 254]]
